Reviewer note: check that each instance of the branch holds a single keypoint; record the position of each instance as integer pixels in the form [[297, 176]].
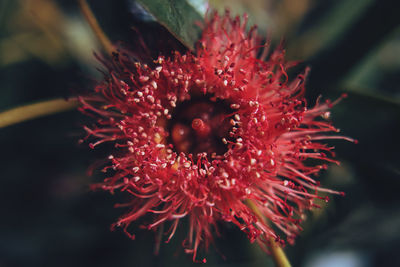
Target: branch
[[277, 252], [94, 24], [36, 110]]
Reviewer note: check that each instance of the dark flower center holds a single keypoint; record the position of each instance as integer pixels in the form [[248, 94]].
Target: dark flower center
[[199, 125]]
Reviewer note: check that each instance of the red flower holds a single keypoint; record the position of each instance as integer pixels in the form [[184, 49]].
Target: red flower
[[199, 135]]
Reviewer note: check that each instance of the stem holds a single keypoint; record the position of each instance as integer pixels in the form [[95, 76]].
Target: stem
[[277, 252], [94, 24], [32, 111]]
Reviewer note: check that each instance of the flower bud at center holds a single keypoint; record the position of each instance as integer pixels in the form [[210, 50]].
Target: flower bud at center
[[198, 125], [201, 128]]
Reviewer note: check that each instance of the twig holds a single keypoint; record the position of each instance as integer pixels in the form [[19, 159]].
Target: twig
[[32, 111], [277, 252], [94, 24]]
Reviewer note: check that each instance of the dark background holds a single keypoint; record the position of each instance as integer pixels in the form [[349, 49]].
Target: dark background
[[49, 217]]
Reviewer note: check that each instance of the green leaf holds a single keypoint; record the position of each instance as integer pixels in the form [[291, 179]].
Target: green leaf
[[358, 38], [324, 32], [375, 121], [178, 17]]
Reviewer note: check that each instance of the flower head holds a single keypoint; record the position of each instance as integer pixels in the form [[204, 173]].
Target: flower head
[[218, 134]]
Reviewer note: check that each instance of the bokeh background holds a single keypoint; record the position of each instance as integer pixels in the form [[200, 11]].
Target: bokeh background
[[49, 217]]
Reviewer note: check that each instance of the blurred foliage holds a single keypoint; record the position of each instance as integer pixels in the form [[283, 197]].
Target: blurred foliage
[[46, 50], [40, 29]]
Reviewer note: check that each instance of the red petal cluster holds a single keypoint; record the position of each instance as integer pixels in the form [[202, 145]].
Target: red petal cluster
[[272, 134]]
